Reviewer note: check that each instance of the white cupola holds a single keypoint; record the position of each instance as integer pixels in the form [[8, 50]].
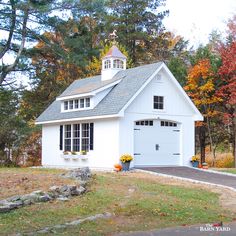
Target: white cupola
[[113, 62]]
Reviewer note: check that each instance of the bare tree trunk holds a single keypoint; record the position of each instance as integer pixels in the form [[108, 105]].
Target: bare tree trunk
[[234, 139], [213, 147], [202, 142], [214, 156], [230, 144]]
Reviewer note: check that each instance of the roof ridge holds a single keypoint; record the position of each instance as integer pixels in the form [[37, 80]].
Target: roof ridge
[[131, 81], [95, 76]]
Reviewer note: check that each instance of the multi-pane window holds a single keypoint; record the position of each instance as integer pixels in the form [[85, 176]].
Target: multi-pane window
[[76, 104], [71, 102], [118, 64], [78, 137], [81, 103], [85, 137], [67, 139], [158, 102], [66, 105], [107, 64], [87, 102]]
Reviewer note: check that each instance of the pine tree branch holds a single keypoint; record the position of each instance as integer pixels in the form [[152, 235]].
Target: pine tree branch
[[9, 68], [13, 23]]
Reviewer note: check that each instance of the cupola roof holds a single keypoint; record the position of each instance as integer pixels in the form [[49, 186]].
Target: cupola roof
[[115, 52]]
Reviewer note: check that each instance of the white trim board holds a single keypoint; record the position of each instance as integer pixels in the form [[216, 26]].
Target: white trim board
[[77, 119]]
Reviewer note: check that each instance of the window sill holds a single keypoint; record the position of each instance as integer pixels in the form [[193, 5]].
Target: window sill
[[77, 109], [74, 157], [159, 111]]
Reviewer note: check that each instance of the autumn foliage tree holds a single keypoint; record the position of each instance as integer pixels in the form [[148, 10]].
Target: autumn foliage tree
[[200, 87], [227, 91]]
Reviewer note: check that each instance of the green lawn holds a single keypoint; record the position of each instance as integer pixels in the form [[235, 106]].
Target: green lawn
[[228, 170], [137, 203]]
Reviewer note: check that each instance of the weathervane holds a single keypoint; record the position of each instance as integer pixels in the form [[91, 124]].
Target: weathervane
[[112, 36]]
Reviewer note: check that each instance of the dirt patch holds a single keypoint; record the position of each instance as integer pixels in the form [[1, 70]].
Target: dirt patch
[[227, 196], [22, 181]]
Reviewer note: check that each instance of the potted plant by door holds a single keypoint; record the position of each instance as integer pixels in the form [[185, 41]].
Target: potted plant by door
[[204, 165], [125, 161], [195, 161]]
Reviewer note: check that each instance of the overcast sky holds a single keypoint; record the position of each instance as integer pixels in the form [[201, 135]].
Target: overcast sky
[[195, 19]]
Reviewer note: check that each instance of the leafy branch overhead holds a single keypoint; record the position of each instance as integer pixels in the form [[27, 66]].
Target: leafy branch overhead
[[21, 24]]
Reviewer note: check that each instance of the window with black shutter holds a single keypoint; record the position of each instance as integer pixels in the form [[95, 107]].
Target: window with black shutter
[[61, 137], [91, 136], [77, 137]]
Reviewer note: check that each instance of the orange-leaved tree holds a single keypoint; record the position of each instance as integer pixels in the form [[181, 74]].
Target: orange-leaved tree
[[201, 88], [227, 90]]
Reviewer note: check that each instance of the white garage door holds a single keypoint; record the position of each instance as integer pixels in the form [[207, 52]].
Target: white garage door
[[156, 143]]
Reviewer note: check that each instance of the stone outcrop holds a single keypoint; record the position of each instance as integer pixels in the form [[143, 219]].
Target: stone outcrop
[[54, 228], [82, 175], [62, 193]]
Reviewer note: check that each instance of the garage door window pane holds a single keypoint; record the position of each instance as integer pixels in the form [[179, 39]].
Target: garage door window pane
[[168, 124]]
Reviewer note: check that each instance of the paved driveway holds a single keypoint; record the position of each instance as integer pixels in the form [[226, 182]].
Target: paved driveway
[[191, 173]]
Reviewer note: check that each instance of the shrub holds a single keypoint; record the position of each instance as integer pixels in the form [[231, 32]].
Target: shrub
[[226, 162], [222, 160]]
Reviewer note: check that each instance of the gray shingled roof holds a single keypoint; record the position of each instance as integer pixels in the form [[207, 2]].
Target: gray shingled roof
[[88, 85], [132, 80]]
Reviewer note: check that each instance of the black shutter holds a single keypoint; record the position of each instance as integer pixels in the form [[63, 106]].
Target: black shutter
[[61, 137], [91, 136]]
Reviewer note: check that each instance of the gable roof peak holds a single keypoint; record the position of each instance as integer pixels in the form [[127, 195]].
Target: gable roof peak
[[115, 52]]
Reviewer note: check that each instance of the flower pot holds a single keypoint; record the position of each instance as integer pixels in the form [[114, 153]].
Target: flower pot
[[125, 166], [204, 167], [195, 164]]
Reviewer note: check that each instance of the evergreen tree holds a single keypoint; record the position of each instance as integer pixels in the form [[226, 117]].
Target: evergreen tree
[[137, 22], [12, 125]]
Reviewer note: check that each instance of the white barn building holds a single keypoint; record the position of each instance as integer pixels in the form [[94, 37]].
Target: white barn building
[[141, 111]]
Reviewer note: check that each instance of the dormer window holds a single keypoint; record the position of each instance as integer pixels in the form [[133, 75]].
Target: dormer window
[[118, 64], [66, 105], [77, 104], [71, 102], [107, 64], [87, 102], [82, 103]]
